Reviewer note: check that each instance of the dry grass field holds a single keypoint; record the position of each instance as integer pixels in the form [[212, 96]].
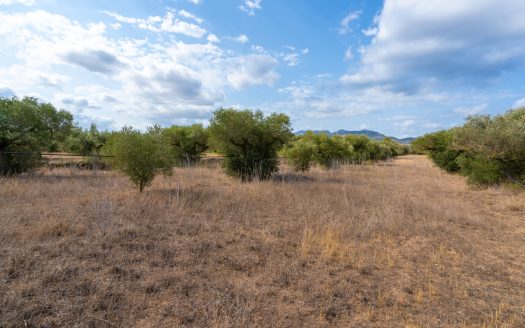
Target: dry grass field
[[397, 244]]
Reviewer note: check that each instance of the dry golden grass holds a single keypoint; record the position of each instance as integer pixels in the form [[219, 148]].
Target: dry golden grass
[[398, 244]]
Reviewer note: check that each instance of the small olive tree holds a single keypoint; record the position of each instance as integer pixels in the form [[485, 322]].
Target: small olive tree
[[140, 156], [250, 141]]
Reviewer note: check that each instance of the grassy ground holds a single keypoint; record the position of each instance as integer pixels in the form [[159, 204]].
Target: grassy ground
[[399, 244]]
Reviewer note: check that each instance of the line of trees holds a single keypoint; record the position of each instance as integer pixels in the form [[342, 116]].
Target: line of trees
[[486, 149], [250, 142], [330, 151]]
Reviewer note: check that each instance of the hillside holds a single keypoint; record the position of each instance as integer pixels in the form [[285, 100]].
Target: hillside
[[374, 135]]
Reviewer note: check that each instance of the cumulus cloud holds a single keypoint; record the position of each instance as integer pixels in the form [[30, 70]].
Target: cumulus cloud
[[252, 69], [250, 6], [165, 80], [94, 60], [420, 43]]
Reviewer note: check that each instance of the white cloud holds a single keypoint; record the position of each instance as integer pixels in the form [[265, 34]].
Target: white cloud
[[253, 69], [188, 15], [195, 2], [169, 23], [519, 103], [348, 53], [139, 81], [23, 2], [471, 110], [250, 6], [212, 38], [421, 43], [432, 125], [242, 39], [372, 31], [344, 25]]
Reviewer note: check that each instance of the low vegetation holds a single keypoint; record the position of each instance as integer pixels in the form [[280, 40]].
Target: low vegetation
[[249, 141], [394, 244], [331, 151], [486, 149], [140, 156]]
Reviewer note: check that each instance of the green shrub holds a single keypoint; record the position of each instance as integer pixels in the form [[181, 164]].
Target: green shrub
[[301, 154], [332, 151], [86, 142], [480, 170], [250, 141], [439, 146], [140, 156], [187, 143], [499, 139]]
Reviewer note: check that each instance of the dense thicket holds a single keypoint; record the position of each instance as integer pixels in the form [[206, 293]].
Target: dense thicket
[[329, 151], [250, 141], [486, 149], [28, 126]]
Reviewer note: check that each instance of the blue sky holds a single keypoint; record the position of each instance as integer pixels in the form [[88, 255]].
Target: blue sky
[[402, 67]]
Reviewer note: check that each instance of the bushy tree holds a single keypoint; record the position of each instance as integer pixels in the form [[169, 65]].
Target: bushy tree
[[438, 146], [495, 145], [140, 155], [250, 141], [26, 126], [86, 142], [332, 150], [486, 149], [301, 153], [187, 143]]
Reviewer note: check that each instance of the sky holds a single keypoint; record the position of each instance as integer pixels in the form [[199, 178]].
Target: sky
[[401, 67]]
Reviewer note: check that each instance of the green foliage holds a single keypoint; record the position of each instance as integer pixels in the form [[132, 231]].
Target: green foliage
[[438, 146], [329, 151], [486, 149], [301, 153], [250, 141], [27, 125], [479, 170], [86, 142], [332, 150], [140, 156], [187, 143]]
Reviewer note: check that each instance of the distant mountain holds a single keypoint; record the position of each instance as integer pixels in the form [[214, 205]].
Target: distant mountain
[[374, 135]]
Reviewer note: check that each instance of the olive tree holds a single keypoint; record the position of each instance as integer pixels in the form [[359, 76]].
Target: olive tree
[[250, 141], [187, 142], [140, 155], [28, 126]]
